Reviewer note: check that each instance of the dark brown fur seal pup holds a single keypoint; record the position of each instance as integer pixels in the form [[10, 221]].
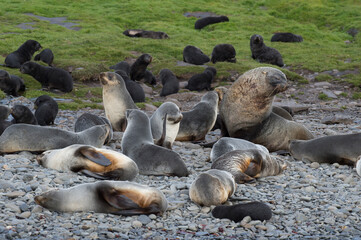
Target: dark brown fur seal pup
[[11, 84], [3, 125], [256, 210], [246, 110], [203, 22], [23, 54], [212, 187], [145, 34], [4, 112], [264, 54], [137, 70], [149, 78], [286, 37], [95, 162], [49, 77], [45, 56], [22, 114], [194, 55], [137, 143], [135, 90], [202, 81], [46, 110], [223, 53], [169, 81], [116, 197], [123, 65]]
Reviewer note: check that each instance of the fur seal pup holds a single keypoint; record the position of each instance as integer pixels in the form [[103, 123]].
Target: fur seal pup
[[123, 65], [22, 114], [264, 54], [137, 143], [197, 122], [202, 81], [286, 37], [212, 187], [167, 114], [246, 110], [256, 210], [149, 78], [95, 162], [145, 34], [88, 120], [203, 22], [23, 54], [116, 197], [49, 77], [116, 99], [11, 84], [223, 53], [135, 90], [35, 138], [194, 55], [169, 81], [4, 112], [45, 56], [137, 70], [3, 125], [46, 110]]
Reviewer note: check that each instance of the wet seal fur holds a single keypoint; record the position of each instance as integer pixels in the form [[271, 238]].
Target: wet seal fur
[[246, 110], [264, 54], [45, 56], [135, 90], [23, 54], [194, 55], [22, 114], [49, 77], [145, 34], [203, 22], [167, 114], [212, 187], [46, 110], [20, 137], [256, 210], [137, 143], [116, 197], [223, 53], [169, 81], [116, 99], [138, 68], [95, 162], [286, 37], [197, 122], [202, 81], [11, 84]]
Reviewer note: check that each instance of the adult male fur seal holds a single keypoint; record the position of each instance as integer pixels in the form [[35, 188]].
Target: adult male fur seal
[[23, 54], [212, 187], [34, 138], [116, 197], [116, 99], [264, 54], [95, 162], [137, 143], [246, 110]]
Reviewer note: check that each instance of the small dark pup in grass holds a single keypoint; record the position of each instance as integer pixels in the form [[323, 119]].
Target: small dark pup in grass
[[286, 37], [194, 55], [223, 53], [264, 54], [202, 81], [46, 56], [23, 54], [203, 22], [11, 84], [46, 110]]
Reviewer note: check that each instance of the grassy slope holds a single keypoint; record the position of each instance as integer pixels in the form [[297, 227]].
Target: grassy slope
[[100, 43]]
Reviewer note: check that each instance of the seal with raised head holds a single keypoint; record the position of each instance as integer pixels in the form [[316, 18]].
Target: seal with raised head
[[116, 99], [11, 84], [23, 54], [202, 81], [212, 187], [145, 34], [35, 138], [197, 122], [22, 114], [138, 68], [264, 54], [95, 162], [165, 124], [194, 55], [223, 53], [246, 110], [256, 210], [45, 56], [137, 143], [46, 110], [169, 81], [116, 197], [286, 37], [203, 22], [135, 90]]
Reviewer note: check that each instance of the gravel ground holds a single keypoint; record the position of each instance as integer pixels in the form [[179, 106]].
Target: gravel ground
[[309, 201]]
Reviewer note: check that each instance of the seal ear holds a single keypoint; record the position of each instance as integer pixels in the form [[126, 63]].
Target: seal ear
[[94, 156]]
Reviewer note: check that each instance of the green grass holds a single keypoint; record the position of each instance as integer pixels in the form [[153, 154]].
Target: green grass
[[323, 96], [100, 42]]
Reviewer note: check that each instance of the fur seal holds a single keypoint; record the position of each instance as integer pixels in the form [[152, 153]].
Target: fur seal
[[45, 56], [11, 84], [167, 114], [149, 78], [116, 99], [4, 112], [169, 81], [95, 162], [123, 65], [49, 77], [223, 53], [194, 55], [256, 210], [3, 125], [22, 114], [282, 112], [137, 143], [116, 197], [197, 122], [202, 81], [35, 138], [22, 54], [137, 70], [46, 110], [286, 37], [212, 187], [135, 90], [88, 120], [246, 110], [264, 54], [145, 34], [203, 22]]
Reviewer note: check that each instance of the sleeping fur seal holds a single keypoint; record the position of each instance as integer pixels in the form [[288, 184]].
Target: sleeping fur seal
[[137, 143], [223, 53], [203, 22], [116, 197], [46, 110], [194, 55], [23, 54], [95, 162], [145, 34], [286, 37], [264, 54], [256, 210]]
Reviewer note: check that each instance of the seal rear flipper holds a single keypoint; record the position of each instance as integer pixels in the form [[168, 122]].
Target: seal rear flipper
[[94, 156]]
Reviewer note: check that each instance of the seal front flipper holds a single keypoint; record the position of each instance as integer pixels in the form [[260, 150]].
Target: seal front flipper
[[93, 174], [160, 141], [94, 156]]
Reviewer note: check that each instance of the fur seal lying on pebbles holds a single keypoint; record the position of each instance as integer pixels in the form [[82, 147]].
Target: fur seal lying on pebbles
[[145, 34], [223, 53], [138, 68], [135, 90], [137, 143], [95, 162], [116, 99], [246, 110], [169, 81], [256, 210], [23, 54], [203, 22], [194, 55], [11, 84], [202, 81], [45, 56], [46, 110], [286, 37], [264, 54], [197, 122], [35, 138], [116, 197], [22, 114], [212, 187]]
